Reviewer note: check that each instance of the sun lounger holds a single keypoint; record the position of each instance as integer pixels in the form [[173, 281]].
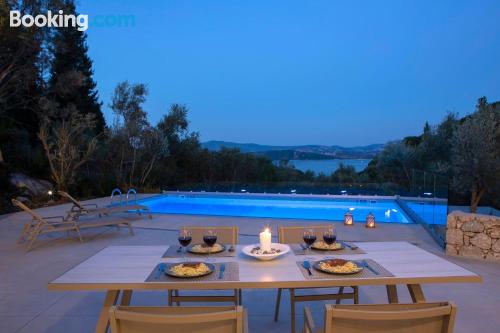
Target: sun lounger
[[80, 209], [42, 225]]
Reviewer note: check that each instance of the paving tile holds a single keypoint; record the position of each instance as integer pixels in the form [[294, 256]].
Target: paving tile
[[27, 306], [11, 324]]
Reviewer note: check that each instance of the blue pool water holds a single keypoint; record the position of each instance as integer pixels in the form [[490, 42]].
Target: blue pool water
[[276, 207]]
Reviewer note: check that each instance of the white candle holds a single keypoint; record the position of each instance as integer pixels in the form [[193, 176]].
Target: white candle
[[265, 240]]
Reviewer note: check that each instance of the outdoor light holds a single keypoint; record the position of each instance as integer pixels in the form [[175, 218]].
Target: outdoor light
[[293, 191], [343, 191], [351, 208], [370, 220], [50, 192], [348, 218]]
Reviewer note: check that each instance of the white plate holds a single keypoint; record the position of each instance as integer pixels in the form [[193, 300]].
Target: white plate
[[284, 249]]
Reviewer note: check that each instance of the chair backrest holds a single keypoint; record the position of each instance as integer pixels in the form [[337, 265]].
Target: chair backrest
[[223, 319], [225, 235], [25, 208], [73, 200], [295, 234], [394, 318]]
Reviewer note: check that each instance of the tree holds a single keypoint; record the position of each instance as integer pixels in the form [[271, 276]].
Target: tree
[[71, 80], [476, 153], [345, 174], [395, 163], [135, 146], [20, 84], [433, 153], [185, 158], [66, 144]]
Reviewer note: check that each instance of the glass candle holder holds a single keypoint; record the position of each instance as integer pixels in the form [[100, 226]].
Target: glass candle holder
[[370, 220], [348, 218]]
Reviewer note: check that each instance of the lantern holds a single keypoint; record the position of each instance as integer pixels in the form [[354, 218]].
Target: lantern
[[370, 220], [348, 219]]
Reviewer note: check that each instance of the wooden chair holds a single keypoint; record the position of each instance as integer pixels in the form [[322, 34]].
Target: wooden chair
[[225, 235], [294, 235], [231, 319], [381, 318], [42, 225], [79, 209]]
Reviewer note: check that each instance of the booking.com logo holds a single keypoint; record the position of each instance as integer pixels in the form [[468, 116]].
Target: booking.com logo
[[60, 20]]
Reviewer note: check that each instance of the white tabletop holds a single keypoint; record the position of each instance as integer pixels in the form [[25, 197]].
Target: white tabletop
[[127, 267]]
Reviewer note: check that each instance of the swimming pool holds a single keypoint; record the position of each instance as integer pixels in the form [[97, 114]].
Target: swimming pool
[[277, 207]]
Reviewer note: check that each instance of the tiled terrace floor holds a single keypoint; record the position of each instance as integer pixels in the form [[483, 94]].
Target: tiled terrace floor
[[27, 306]]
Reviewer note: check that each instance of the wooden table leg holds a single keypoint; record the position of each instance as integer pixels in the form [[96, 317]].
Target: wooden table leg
[[392, 293], [416, 293], [109, 301], [126, 297]]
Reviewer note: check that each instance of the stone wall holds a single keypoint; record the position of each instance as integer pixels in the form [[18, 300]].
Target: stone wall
[[473, 235]]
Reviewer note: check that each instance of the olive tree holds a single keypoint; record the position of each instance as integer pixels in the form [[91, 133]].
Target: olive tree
[[67, 144], [476, 153]]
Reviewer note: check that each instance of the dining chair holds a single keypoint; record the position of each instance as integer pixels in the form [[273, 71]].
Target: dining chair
[[381, 318], [225, 235], [139, 319], [294, 235]]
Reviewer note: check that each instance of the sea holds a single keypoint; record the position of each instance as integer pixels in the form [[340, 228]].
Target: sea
[[328, 166]]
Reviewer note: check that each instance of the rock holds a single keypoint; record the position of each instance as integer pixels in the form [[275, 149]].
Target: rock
[[493, 256], [473, 226], [454, 236], [471, 252], [482, 241], [466, 240], [30, 186], [451, 221], [496, 246], [24, 200], [451, 249], [495, 232], [492, 222]]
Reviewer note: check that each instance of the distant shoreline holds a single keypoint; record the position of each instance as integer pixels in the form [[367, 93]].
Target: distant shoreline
[[328, 166]]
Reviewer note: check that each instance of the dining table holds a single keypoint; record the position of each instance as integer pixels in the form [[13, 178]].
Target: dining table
[[120, 270]]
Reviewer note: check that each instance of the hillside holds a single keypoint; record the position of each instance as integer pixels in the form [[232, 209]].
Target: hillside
[[306, 152]]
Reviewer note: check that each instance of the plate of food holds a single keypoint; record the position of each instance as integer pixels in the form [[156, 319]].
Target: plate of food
[[189, 269], [255, 251], [322, 246], [338, 266], [205, 249]]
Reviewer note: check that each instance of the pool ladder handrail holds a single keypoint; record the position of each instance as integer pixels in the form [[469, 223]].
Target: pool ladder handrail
[[116, 191], [134, 192]]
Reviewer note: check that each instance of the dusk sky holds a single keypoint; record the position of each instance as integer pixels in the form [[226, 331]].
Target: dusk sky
[[302, 72]]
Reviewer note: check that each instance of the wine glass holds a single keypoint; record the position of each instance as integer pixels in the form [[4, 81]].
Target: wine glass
[[210, 238], [185, 238], [329, 236], [309, 239]]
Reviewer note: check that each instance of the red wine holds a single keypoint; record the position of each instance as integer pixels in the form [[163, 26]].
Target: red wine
[[309, 239], [329, 239], [210, 240], [185, 240]]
